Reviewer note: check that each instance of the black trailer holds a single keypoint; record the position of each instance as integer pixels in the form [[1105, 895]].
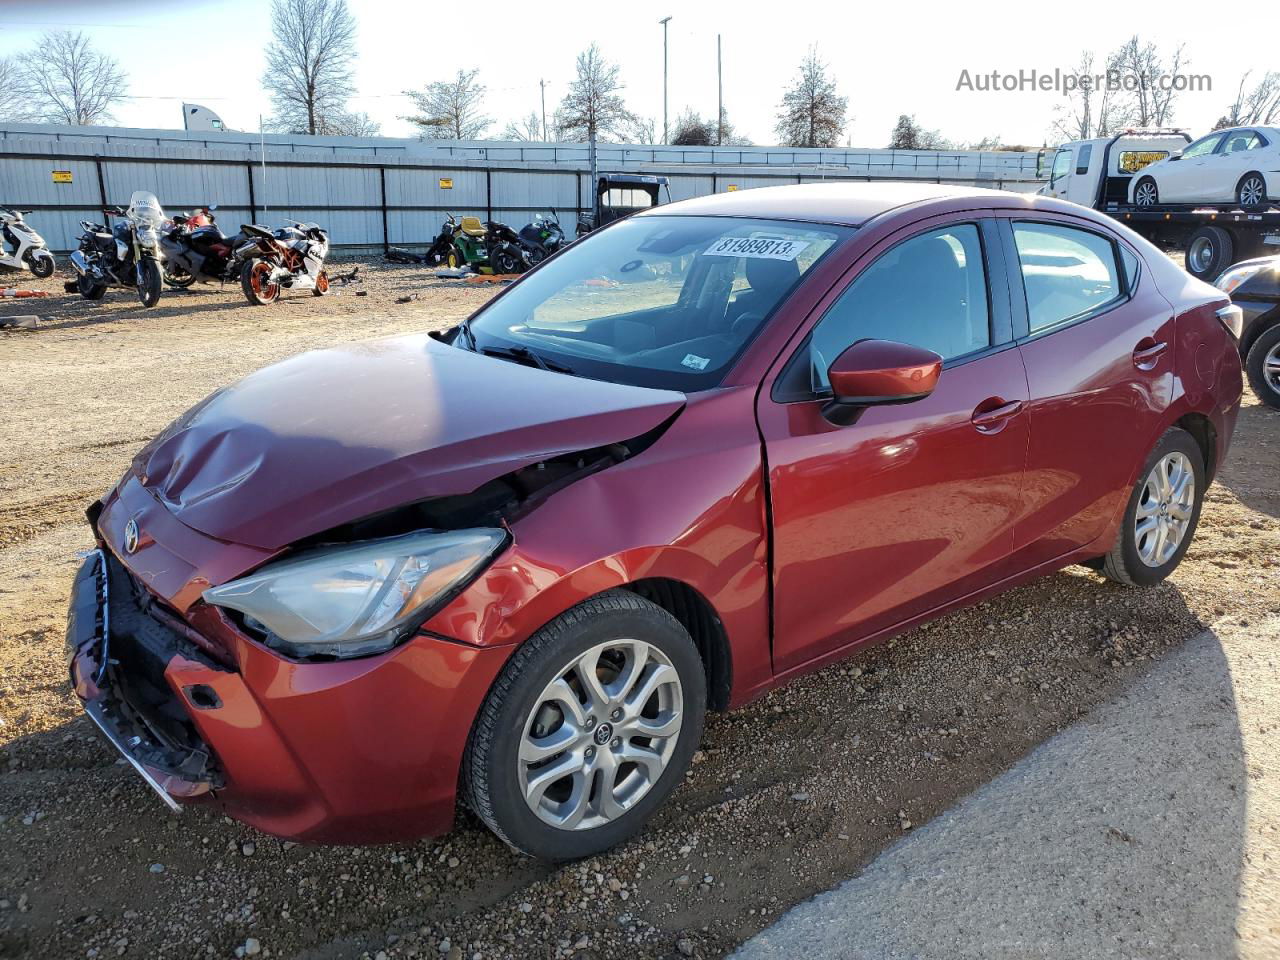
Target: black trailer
[[619, 195]]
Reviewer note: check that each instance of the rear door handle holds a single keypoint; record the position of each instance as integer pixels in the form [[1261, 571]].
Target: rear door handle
[[1148, 352], [994, 420]]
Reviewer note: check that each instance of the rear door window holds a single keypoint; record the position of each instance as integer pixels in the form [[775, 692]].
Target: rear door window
[[1067, 273]]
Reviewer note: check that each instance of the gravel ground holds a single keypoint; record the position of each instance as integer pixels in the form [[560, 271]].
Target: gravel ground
[[786, 798]]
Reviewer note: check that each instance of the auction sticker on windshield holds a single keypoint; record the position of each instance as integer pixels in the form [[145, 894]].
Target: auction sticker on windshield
[[759, 248]]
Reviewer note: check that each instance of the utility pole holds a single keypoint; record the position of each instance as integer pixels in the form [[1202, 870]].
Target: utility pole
[[543, 85], [720, 95], [665, 137]]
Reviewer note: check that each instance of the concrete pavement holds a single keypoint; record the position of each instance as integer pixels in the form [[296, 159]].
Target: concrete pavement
[[1149, 829]]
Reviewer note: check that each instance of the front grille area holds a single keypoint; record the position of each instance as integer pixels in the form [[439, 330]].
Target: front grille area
[[140, 702]]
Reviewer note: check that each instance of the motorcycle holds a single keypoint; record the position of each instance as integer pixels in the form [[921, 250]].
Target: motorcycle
[[543, 237], [23, 248], [127, 254], [195, 248], [493, 244], [290, 257]]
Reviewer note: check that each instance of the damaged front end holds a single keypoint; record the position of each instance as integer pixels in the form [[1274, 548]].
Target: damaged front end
[[119, 653]]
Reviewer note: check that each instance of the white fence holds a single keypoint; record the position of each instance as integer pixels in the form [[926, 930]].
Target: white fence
[[375, 192]]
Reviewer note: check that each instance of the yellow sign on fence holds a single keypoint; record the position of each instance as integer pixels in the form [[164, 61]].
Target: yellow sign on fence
[[446, 183], [732, 187], [62, 176]]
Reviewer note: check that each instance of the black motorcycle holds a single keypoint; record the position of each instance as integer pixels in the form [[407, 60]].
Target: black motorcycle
[[543, 237], [195, 248], [127, 254], [507, 252]]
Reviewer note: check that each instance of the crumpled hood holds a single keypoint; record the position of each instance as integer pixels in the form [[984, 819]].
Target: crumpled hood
[[332, 436]]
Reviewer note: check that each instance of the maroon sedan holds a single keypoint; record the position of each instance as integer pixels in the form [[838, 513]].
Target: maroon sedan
[[703, 451]]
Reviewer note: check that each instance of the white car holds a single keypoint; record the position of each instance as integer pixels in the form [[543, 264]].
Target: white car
[[1237, 165]]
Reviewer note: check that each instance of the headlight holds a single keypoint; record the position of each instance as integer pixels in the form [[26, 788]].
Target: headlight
[[1232, 278], [359, 600]]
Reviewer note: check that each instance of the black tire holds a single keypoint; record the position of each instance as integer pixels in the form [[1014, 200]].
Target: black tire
[[504, 260], [1210, 250], [1124, 563], [89, 289], [1251, 191], [489, 774], [41, 263], [454, 259], [177, 277], [1261, 365], [322, 285], [150, 283], [255, 291], [1141, 196]]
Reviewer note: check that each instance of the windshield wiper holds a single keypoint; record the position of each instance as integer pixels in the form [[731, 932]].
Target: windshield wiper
[[525, 355], [465, 329]]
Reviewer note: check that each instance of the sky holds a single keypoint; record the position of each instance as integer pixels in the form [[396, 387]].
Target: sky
[[887, 58]]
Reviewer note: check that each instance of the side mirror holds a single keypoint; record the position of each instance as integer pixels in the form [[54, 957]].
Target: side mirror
[[875, 372], [1176, 155]]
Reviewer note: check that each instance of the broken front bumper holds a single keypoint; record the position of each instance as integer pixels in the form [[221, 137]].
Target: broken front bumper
[[132, 709]]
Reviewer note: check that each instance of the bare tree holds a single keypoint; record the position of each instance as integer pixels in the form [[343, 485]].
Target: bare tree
[[308, 71], [65, 80], [528, 130], [909, 135], [641, 130], [690, 130], [1261, 104], [1092, 109], [812, 113], [594, 104], [450, 109], [351, 125], [1152, 96], [15, 107]]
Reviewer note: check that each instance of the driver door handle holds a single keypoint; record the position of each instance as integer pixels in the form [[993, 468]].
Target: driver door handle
[[993, 421]]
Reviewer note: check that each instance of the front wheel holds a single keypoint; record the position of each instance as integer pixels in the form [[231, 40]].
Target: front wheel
[[588, 729], [41, 263], [504, 260], [255, 281], [149, 282], [1162, 513], [322, 285], [454, 259], [1262, 364]]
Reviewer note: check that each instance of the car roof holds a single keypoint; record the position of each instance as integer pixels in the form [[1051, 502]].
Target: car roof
[[838, 202]]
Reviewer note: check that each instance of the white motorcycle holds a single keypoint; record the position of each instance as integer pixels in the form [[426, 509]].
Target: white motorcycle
[[21, 247]]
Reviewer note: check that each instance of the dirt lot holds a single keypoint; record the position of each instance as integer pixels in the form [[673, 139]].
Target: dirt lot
[[786, 797]]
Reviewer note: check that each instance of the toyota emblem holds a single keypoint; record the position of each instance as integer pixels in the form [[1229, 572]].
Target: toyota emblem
[[131, 536]]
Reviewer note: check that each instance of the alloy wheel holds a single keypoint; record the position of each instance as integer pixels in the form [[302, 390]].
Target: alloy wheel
[[1200, 255], [1271, 368], [600, 734], [1146, 195], [1252, 191], [1165, 509]]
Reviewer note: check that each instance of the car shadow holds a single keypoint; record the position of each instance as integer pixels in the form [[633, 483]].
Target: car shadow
[[1253, 463]]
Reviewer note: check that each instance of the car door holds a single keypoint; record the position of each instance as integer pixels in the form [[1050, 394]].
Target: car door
[[1096, 337], [1060, 173], [1182, 179], [912, 505], [1240, 153]]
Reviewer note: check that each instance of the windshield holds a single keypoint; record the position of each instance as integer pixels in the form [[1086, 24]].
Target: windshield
[[145, 208], [657, 301]]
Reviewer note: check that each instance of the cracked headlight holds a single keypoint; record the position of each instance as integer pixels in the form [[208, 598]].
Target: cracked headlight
[[357, 600]]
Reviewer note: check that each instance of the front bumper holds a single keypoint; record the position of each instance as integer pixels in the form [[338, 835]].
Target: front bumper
[[356, 751]]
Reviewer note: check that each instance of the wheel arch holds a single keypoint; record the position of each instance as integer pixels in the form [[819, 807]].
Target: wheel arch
[[1266, 185], [1205, 435], [699, 618]]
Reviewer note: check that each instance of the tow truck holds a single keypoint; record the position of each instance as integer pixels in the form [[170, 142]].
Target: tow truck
[[1096, 173]]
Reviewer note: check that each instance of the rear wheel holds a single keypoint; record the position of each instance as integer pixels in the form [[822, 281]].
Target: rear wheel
[[1161, 516], [1209, 252], [1263, 367], [177, 277], [588, 729], [149, 283], [504, 260], [255, 281], [1146, 194], [41, 263], [1252, 190], [89, 288]]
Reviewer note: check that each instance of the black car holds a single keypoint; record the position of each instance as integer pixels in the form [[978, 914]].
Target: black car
[[1254, 286]]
